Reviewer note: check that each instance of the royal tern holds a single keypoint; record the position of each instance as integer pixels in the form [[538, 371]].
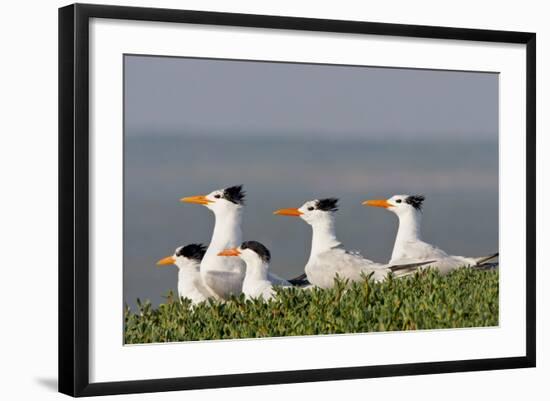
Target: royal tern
[[187, 259], [409, 246], [328, 258], [223, 276], [256, 283]]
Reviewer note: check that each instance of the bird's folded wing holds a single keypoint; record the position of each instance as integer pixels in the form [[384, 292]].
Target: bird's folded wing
[[276, 280], [418, 251], [344, 264], [405, 269]]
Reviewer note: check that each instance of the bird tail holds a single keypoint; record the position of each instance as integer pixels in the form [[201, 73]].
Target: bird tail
[[483, 259], [483, 262], [299, 281], [407, 269]]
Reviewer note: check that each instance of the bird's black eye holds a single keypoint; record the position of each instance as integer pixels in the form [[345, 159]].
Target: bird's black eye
[[310, 208], [217, 196], [398, 201]]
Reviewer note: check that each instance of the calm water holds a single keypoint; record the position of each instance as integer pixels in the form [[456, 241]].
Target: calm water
[[459, 180]]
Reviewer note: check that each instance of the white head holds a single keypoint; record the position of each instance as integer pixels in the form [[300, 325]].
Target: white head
[[314, 211], [188, 256], [399, 204], [220, 201], [252, 252]]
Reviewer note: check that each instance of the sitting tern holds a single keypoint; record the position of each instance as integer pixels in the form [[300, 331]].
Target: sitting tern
[[409, 246], [328, 258], [225, 276], [187, 259], [257, 257]]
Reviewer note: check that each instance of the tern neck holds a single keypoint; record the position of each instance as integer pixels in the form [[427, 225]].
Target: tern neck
[[186, 275], [227, 230], [256, 269], [324, 235], [409, 231]]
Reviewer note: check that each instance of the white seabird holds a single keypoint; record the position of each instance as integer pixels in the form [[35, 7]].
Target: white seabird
[[187, 259], [409, 246], [257, 257], [328, 258], [225, 276]]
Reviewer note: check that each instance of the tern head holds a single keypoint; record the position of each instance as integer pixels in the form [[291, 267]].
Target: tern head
[[220, 200], [249, 251], [312, 211], [399, 204], [185, 256]]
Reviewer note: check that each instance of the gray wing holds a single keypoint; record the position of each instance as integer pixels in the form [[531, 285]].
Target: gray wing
[[417, 251], [276, 280], [342, 264]]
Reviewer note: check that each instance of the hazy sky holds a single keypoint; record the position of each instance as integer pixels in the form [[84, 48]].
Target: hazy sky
[[223, 97]]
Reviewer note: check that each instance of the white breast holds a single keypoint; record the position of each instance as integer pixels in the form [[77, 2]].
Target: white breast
[[223, 275], [256, 289], [190, 285]]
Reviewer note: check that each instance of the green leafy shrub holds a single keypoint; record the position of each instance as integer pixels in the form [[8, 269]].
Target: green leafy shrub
[[427, 300]]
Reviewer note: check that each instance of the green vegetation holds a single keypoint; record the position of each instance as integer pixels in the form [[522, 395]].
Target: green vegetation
[[464, 298]]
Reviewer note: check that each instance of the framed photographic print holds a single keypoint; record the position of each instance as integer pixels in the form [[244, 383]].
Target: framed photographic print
[[360, 195]]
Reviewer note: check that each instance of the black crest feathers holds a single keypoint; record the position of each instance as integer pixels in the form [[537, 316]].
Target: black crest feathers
[[328, 204], [415, 201], [259, 248], [234, 194], [192, 251]]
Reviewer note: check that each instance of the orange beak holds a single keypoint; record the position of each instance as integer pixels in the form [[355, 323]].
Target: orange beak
[[230, 252], [169, 260], [288, 212], [199, 200], [377, 203]]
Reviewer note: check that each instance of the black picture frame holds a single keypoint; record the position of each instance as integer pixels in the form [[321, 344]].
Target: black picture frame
[[74, 198]]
